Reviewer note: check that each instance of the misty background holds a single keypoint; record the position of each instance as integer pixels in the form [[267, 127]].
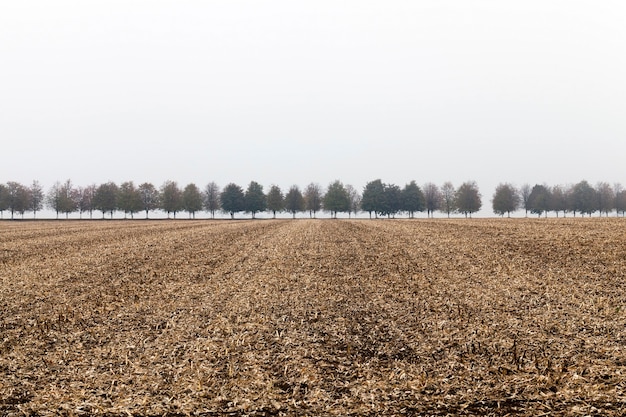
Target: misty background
[[285, 93]]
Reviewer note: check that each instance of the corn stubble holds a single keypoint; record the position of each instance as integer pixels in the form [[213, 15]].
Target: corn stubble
[[488, 317]]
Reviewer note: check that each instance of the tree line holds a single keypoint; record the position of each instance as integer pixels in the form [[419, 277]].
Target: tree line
[[377, 199], [581, 198], [108, 198]]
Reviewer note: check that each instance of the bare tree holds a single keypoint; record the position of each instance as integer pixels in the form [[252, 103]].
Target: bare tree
[[606, 198], [84, 200], [61, 198], [468, 198], [620, 199], [149, 197], [68, 193], [559, 200], [171, 198], [36, 197], [432, 198], [129, 199], [53, 198], [525, 191], [448, 198], [355, 200], [192, 199], [212, 198], [4, 199], [18, 198], [313, 198]]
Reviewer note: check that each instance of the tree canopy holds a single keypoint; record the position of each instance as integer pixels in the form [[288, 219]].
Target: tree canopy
[[171, 198], [192, 199], [539, 200], [506, 199], [468, 198], [254, 199], [294, 201], [378, 198], [336, 199], [232, 199], [412, 199], [275, 200]]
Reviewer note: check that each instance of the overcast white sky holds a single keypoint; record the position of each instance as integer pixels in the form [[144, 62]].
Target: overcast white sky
[[290, 92]]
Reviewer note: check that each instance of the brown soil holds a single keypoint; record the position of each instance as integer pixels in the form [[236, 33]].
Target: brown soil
[[313, 317]]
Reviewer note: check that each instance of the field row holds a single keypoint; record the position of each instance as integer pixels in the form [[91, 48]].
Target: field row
[[313, 317]]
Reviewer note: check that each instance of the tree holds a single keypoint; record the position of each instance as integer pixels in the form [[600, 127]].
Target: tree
[[149, 197], [620, 199], [129, 199], [68, 198], [36, 198], [539, 200], [254, 198], [392, 200], [53, 199], [313, 198], [524, 192], [211, 198], [18, 197], [373, 199], [275, 200], [506, 199], [605, 197], [85, 196], [192, 199], [412, 199], [584, 198], [62, 198], [294, 201], [432, 198], [232, 199], [448, 198], [355, 200], [468, 198], [171, 198], [336, 199], [559, 200], [105, 198], [4, 199]]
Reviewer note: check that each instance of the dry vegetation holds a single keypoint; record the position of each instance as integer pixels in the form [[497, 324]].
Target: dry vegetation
[[459, 317]]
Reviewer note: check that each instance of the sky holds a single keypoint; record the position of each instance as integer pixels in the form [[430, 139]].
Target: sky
[[285, 92]]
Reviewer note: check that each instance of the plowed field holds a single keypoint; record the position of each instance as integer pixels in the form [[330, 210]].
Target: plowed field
[[313, 317]]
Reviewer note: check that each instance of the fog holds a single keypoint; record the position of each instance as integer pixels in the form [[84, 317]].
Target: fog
[[296, 92]]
